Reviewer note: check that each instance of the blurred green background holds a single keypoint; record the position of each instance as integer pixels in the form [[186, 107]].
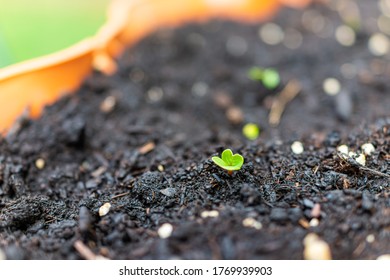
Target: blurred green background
[[32, 28]]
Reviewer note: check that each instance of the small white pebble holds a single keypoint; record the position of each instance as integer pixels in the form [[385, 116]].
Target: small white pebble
[[108, 104], [368, 149], [349, 12], [200, 89], [385, 257], [250, 222], [209, 214], [271, 33], [160, 167], [104, 209], [343, 149], [297, 148], [314, 222], [352, 154], [370, 238], [310, 237], [379, 44], [2, 256], [361, 159], [315, 248], [165, 230], [331, 86], [40, 163], [384, 6], [155, 94], [345, 35]]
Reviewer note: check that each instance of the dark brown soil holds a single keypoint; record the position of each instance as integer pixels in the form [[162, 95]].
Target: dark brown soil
[[149, 154]]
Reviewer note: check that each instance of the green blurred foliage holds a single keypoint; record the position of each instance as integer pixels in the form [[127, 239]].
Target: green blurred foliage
[[32, 28]]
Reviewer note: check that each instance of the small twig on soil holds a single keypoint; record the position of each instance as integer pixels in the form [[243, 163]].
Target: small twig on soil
[[289, 92], [304, 223], [148, 147], [50, 221], [353, 163], [120, 195], [85, 252], [99, 171], [359, 249]]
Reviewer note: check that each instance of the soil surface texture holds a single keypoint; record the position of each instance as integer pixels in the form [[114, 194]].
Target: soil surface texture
[[138, 144]]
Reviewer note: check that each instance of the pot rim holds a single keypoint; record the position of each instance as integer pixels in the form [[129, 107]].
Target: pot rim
[[109, 42]]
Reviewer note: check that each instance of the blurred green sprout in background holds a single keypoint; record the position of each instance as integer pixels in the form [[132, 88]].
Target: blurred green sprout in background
[[268, 76]]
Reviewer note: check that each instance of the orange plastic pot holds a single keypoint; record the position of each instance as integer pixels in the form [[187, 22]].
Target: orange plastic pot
[[31, 85]]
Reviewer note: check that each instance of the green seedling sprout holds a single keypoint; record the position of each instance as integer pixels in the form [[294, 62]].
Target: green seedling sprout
[[268, 76], [228, 161], [251, 131]]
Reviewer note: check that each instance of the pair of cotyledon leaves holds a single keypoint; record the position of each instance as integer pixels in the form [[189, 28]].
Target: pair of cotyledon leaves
[[268, 76], [229, 161]]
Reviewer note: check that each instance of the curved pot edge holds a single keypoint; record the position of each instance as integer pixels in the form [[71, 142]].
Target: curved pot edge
[[47, 78]]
